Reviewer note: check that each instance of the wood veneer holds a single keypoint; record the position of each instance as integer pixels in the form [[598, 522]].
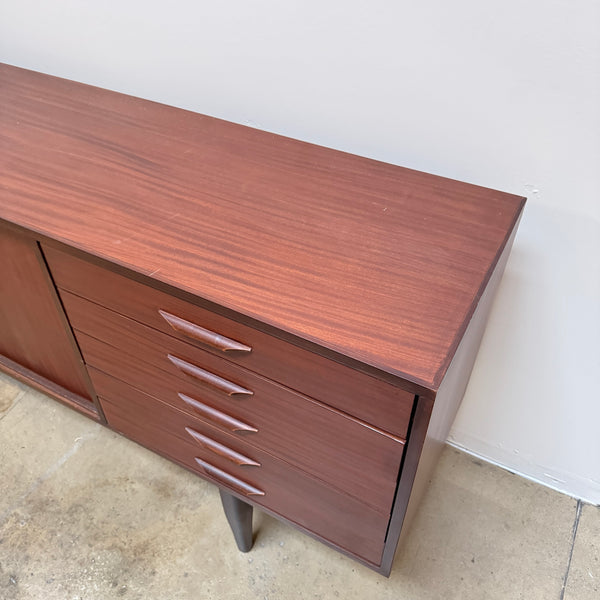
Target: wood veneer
[[342, 451], [297, 236], [356, 287], [40, 350], [303, 499], [388, 407], [154, 347]]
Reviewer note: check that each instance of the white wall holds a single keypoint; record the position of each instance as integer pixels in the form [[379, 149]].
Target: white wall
[[504, 94]]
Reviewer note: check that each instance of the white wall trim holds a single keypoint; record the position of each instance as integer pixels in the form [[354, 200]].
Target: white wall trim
[[586, 490]]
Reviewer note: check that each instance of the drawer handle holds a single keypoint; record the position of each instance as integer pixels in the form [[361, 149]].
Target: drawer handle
[[219, 449], [223, 385], [241, 487], [195, 332], [216, 416]]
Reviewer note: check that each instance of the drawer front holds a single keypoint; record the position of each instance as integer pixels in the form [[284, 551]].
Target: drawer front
[[248, 471], [323, 442], [363, 396]]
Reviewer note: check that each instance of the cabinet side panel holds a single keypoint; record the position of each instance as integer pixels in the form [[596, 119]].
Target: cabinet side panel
[[431, 424], [32, 332]]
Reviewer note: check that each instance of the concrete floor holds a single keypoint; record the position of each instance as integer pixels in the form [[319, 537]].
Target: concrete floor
[[85, 514]]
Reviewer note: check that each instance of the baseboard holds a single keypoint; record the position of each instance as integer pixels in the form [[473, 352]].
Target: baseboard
[[587, 490]]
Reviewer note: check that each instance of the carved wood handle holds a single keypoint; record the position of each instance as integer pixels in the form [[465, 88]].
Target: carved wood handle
[[221, 450], [223, 385], [210, 338], [241, 487], [217, 417]]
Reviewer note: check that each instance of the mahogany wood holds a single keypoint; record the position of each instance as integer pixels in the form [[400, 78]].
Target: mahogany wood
[[341, 451], [433, 420], [152, 347], [218, 383], [217, 417], [204, 336], [333, 287], [311, 503], [235, 457], [36, 381], [32, 333], [229, 480], [380, 263], [387, 407]]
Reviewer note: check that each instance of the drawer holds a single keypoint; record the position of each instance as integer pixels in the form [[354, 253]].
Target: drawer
[[370, 399], [248, 471], [329, 445]]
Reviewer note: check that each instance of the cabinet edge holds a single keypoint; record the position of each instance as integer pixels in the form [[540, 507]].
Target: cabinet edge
[[55, 391], [433, 417]]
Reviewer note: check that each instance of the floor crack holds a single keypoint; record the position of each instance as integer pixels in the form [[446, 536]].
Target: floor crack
[[573, 536], [46, 475]]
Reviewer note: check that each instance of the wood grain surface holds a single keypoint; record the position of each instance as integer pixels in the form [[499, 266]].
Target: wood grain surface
[[432, 421], [33, 332], [362, 396], [308, 502], [38, 382], [377, 262], [339, 450]]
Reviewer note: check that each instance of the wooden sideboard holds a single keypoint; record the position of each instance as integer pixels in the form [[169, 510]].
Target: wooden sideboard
[[294, 324]]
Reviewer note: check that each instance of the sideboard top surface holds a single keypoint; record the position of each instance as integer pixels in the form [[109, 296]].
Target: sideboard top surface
[[374, 261]]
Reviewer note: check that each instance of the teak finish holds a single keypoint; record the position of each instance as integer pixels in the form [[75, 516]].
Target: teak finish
[[389, 407], [308, 501], [42, 345], [295, 324], [297, 236], [293, 427]]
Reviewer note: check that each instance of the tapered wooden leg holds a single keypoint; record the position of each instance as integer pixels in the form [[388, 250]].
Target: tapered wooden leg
[[239, 517]]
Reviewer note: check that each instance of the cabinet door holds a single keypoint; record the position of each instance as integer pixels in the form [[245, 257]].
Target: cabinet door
[[33, 330]]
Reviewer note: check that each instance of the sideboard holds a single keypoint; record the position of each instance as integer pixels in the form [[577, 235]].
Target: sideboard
[[296, 325]]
